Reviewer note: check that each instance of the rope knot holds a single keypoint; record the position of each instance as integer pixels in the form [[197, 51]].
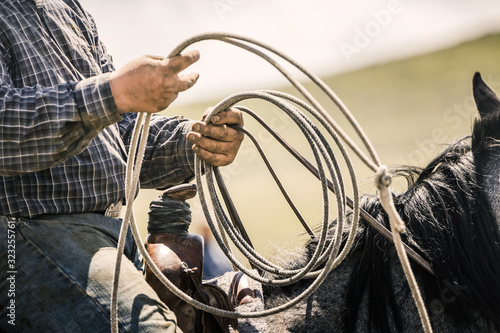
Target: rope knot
[[382, 178], [382, 181]]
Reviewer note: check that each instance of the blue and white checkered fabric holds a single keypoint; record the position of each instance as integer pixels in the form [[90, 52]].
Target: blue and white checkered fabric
[[63, 144]]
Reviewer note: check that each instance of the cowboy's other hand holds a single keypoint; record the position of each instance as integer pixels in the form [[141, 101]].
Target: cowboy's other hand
[[151, 83], [217, 143]]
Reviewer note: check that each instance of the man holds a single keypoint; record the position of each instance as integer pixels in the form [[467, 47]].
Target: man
[[66, 119]]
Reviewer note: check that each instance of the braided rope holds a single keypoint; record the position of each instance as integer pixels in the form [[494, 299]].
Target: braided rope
[[324, 157], [131, 183], [382, 182]]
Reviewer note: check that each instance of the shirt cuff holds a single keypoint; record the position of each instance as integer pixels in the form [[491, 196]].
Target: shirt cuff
[[95, 103], [185, 150]]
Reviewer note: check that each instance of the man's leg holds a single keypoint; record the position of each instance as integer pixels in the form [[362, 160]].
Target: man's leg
[[62, 278]]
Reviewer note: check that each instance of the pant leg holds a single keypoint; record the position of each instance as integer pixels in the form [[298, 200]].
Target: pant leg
[[63, 275]]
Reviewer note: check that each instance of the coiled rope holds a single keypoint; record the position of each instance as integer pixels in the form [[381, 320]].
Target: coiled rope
[[326, 255]]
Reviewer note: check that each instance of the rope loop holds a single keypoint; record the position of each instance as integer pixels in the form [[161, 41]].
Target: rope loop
[[329, 253]]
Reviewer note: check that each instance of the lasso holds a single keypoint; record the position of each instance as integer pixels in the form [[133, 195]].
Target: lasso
[[330, 256]]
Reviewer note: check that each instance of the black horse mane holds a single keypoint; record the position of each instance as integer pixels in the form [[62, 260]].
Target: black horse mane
[[450, 222]]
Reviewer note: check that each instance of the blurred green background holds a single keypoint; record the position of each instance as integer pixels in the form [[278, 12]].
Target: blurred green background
[[409, 109]]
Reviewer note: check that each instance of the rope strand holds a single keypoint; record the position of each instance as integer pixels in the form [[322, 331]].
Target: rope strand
[[382, 182]]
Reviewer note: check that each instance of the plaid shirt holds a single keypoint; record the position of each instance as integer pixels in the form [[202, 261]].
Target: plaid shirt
[[63, 144]]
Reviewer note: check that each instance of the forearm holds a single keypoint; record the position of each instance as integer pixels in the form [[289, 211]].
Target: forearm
[[169, 159], [41, 127]]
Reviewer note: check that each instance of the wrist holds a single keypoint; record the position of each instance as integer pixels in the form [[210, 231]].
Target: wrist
[[117, 92], [95, 103]]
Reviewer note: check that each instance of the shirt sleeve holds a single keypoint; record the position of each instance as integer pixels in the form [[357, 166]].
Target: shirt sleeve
[[43, 126], [169, 158]]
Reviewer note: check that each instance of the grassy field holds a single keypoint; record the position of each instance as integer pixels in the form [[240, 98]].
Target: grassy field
[[409, 109]]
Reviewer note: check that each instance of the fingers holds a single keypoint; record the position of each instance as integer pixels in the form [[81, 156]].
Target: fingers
[[215, 152], [151, 83], [181, 62], [217, 129], [178, 64], [231, 117], [187, 81], [212, 158], [217, 143], [207, 134]]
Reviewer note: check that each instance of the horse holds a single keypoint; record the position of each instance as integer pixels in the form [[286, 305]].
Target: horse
[[452, 213]]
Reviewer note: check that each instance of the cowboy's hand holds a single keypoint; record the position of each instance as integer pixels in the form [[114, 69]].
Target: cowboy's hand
[[150, 84], [215, 142]]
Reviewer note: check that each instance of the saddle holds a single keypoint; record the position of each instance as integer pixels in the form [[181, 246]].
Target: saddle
[[179, 256]]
